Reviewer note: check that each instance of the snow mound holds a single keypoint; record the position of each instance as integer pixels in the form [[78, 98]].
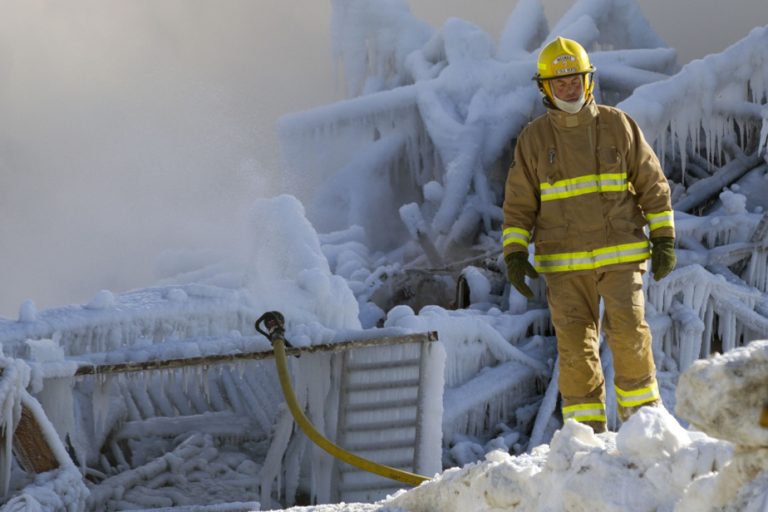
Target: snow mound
[[724, 395], [647, 465]]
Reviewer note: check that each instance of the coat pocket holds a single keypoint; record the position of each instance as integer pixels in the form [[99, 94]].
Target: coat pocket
[[623, 230]]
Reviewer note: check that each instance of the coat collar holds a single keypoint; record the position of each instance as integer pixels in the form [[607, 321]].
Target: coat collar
[[563, 119]]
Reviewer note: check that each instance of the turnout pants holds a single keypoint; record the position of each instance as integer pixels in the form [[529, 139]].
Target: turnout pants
[[574, 300]]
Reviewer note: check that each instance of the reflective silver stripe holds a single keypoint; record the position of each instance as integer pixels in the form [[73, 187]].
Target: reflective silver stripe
[[515, 236], [593, 259], [637, 396], [588, 184], [584, 412], [660, 220]]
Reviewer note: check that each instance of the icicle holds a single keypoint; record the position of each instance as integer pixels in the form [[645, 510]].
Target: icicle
[[202, 375]]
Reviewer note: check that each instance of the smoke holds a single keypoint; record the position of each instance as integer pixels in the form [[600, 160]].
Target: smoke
[[131, 128]]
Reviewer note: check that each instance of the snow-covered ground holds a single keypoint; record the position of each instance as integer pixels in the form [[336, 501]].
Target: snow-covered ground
[[394, 204]]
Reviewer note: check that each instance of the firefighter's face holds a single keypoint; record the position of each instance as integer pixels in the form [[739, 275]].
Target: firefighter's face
[[567, 88]]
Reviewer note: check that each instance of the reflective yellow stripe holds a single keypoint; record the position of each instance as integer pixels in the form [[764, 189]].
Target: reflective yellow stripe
[[614, 182], [587, 260], [637, 396], [660, 220], [515, 236], [584, 412]]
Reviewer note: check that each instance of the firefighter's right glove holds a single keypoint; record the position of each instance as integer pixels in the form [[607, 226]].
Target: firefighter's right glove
[[663, 257], [517, 268]]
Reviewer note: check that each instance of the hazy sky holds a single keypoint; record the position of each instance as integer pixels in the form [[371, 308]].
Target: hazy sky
[[133, 127]]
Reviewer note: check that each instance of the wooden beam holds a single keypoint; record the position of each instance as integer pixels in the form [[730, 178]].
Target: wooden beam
[[217, 424], [30, 445], [139, 366]]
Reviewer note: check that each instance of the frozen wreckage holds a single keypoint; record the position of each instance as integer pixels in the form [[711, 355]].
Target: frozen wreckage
[[413, 164]]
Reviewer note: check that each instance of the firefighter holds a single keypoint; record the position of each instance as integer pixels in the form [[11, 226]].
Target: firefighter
[[583, 186]]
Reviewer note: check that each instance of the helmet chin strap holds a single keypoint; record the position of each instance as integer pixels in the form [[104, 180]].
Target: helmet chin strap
[[572, 107]]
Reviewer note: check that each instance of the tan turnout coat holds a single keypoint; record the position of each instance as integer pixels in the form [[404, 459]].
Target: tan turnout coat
[[582, 187]]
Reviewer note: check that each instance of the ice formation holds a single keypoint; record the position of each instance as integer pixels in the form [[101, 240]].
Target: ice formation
[[722, 96], [402, 183]]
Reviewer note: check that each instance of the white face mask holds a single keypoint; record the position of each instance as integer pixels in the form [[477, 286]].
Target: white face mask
[[572, 107]]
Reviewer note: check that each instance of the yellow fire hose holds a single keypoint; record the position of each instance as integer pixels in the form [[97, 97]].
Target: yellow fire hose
[[275, 330], [764, 416]]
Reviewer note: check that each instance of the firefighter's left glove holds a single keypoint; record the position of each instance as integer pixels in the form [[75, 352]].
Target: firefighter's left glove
[[517, 268], [663, 257]]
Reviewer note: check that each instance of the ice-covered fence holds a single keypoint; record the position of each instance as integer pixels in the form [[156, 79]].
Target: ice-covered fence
[[715, 238], [712, 101], [693, 296], [139, 318], [131, 404], [721, 242], [496, 364], [98, 415], [107, 405]]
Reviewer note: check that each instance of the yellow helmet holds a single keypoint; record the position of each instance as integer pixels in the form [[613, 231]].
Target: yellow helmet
[[564, 57]]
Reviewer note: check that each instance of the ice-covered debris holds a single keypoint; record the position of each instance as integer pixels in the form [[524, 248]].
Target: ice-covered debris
[[733, 202], [413, 220], [50, 353], [433, 191], [479, 285], [62, 489], [441, 106], [465, 42], [276, 253], [289, 272], [401, 316], [177, 295], [650, 435], [44, 350], [621, 24], [371, 39], [524, 29], [183, 479], [103, 300], [723, 396], [28, 311], [719, 95]]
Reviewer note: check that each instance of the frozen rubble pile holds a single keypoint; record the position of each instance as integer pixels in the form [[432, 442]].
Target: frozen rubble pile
[[417, 155], [404, 179], [406, 176]]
